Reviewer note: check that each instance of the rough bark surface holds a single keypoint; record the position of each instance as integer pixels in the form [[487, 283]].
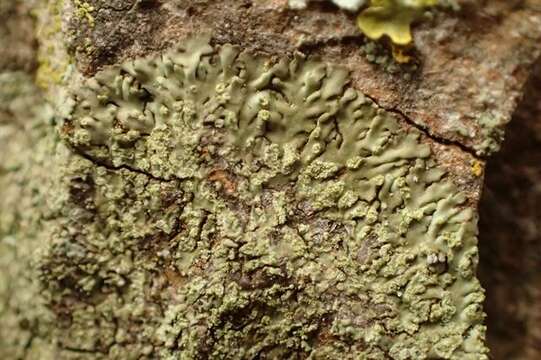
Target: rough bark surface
[[510, 235], [472, 63], [17, 36], [236, 179]]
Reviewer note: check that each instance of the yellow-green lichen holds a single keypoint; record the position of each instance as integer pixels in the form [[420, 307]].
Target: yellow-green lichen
[[84, 11], [25, 147], [258, 208], [53, 60], [392, 18]]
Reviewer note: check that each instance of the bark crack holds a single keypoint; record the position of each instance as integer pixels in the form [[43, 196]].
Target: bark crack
[[111, 167], [310, 47], [426, 130]]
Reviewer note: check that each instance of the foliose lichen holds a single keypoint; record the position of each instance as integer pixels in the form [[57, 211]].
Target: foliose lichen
[[392, 18], [492, 131], [393, 60], [218, 204]]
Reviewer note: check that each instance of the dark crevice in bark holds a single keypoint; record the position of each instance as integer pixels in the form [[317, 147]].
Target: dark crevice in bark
[[81, 351], [510, 234], [308, 48], [311, 47], [111, 167], [426, 131]]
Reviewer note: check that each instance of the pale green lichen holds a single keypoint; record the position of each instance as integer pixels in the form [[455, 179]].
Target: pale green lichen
[[25, 145], [492, 131], [235, 207]]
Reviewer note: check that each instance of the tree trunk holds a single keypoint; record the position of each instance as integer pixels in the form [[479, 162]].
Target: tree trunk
[[241, 179]]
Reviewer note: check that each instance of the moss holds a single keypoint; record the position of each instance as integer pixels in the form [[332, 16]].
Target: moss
[[216, 204]]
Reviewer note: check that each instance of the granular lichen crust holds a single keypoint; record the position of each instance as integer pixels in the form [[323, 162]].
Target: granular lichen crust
[[221, 205]]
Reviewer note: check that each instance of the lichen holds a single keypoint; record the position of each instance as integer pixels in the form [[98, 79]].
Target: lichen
[[492, 132], [392, 18], [84, 11], [217, 204], [393, 59], [53, 61], [25, 145], [477, 168]]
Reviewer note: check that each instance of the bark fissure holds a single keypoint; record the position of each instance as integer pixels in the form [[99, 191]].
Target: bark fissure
[[310, 47], [111, 167], [426, 130]]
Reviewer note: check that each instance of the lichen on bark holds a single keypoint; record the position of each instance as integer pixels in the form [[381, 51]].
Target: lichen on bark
[[241, 198], [219, 204], [26, 142]]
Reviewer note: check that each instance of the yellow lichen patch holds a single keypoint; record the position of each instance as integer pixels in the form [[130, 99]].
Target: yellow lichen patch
[[392, 18], [84, 11], [477, 168]]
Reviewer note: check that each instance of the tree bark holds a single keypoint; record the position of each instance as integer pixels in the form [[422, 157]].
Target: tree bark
[[238, 179]]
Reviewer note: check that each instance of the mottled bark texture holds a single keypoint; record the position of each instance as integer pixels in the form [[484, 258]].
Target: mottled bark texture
[[510, 234], [238, 180]]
